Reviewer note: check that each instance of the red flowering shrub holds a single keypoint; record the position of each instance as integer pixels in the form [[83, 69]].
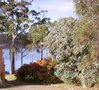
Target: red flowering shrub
[[41, 71]]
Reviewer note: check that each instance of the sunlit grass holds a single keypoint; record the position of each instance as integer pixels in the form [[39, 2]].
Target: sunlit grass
[[10, 77]]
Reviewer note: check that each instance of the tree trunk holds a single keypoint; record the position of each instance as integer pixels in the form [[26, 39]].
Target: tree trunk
[[22, 54], [97, 51], [2, 67], [21, 57], [83, 80], [42, 52], [10, 60], [32, 54], [12, 63], [12, 54]]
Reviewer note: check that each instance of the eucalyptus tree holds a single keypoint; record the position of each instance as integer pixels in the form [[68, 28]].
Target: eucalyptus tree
[[87, 7], [61, 43], [88, 34], [88, 10], [23, 42], [15, 14], [37, 35], [87, 37]]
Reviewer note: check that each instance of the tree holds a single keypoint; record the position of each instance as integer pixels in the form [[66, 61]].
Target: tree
[[87, 27], [87, 7], [15, 15], [61, 43], [89, 11], [37, 34], [23, 42]]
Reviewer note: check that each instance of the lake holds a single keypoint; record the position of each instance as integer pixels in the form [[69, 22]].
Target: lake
[[26, 60]]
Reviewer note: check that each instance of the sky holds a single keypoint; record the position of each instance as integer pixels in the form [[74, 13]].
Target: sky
[[56, 8]]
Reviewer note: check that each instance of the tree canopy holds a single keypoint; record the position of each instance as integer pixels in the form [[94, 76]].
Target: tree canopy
[[37, 33], [87, 7]]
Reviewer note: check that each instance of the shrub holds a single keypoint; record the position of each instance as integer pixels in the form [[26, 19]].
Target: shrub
[[41, 71], [67, 73]]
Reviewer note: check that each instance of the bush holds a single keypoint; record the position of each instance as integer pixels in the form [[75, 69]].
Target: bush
[[41, 71], [67, 73]]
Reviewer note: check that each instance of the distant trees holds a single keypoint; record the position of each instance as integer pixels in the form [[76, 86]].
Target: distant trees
[[23, 41], [37, 34]]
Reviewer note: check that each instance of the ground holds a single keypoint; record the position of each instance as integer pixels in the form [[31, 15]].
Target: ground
[[13, 84], [24, 86], [34, 87]]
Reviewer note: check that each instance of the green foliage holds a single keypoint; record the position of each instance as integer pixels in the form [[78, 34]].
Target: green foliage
[[15, 13], [60, 38], [87, 7], [88, 68], [87, 32], [67, 73], [37, 33], [37, 72], [61, 42], [15, 21], [71, 42], [90, 73]]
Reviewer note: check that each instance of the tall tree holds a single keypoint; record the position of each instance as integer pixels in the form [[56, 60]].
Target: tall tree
[[88, 24], [87, 7], [89, 11], [37, 34], [15, 15], [88, 34], [61, 43]]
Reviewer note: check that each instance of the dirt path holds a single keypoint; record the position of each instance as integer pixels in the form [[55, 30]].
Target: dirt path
[[33, 87]]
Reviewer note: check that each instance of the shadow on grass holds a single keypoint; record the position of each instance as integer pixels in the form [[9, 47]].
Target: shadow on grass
[[17, 83]]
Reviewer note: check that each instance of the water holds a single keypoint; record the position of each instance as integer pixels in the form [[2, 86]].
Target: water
[[26, 60]]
